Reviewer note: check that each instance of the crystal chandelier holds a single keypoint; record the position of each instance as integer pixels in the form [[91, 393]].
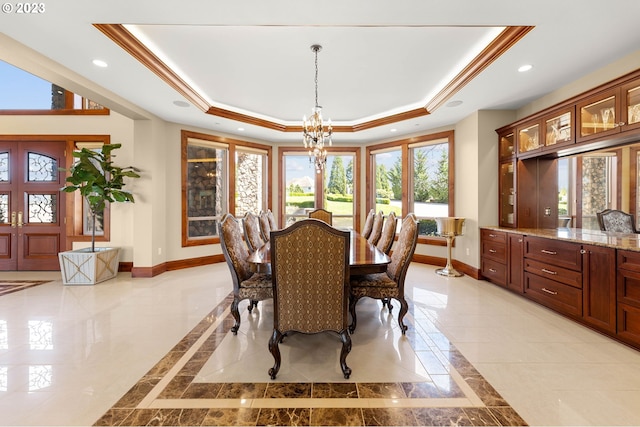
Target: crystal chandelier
[[314, 133]]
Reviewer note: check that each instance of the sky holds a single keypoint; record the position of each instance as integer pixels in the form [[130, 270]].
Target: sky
[[20, 90]]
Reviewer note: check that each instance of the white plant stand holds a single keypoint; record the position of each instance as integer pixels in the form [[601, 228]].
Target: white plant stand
[[83, 267]]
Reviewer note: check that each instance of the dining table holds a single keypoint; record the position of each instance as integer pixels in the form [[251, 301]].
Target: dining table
[[364, 257]]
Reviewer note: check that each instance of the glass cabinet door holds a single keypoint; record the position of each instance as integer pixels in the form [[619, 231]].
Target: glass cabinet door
[[529, 139], [631, 99], [599, 116], [558, 129], [507, 194], [507, 145]]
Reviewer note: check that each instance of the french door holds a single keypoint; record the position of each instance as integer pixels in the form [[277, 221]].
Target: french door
[[32, 207]]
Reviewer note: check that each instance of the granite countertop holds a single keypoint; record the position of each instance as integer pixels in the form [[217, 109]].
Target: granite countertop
[[592, 237]]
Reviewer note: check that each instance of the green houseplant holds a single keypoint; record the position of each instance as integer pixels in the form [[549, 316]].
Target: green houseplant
[[99, 182]]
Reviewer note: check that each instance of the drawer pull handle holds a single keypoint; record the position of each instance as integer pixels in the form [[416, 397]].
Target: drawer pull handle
[[492, 235], [493, 251], [493, 270], [544, 251], [549, 292], [544, 270]]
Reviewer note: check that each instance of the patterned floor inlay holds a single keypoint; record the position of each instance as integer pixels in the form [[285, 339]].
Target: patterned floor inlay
[[169, 393], [9, 286]]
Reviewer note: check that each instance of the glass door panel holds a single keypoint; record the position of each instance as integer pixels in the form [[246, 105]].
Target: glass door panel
[[339, 189], [598, 117], [300, 182]]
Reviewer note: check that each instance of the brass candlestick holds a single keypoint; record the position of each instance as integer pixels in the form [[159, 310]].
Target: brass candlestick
[[449, 228]]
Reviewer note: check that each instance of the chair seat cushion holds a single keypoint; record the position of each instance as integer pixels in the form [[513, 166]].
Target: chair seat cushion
[[258, 280], [377, 280]]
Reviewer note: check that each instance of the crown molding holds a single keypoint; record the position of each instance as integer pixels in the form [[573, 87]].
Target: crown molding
[[127, 41]]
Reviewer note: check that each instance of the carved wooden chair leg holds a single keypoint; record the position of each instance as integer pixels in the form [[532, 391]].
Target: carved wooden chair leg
[[276, 337], [387, 302], [252, 304], [352, 310], [404, 307], [236, 316], [346, 348]]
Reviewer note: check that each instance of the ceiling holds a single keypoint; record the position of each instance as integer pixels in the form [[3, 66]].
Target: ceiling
[[387, 69]]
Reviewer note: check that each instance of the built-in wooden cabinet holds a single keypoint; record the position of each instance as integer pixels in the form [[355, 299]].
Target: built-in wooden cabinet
[[515, 266], [609, 112], [628, 296], [575, 279], [507, 193], [494, 256], [598, 289], [607, 116]]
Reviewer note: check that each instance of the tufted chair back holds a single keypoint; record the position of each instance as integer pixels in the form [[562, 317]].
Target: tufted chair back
[[310, 274], [406, 246], [368, 224], [376, 229], [265, 225], [234, 249], [252, 232], [388, 233], [617, 221], [322, 215]]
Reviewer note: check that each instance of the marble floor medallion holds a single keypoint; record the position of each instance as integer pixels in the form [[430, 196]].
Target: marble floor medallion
[[212, 377]]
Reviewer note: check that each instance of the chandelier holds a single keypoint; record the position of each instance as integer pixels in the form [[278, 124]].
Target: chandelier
[[314, 132]]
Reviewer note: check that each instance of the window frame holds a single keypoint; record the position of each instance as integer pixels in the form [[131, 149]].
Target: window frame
[[405, 146], [319, 183], [232, 145]]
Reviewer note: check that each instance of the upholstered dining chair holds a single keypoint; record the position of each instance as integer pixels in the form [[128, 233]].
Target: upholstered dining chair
[[310, 274], [252, 233], [246, 284], [265, 225], [390, 284], [617, 221], [368, 224], [388, 233], [273, 224], [376, 229], [322, 215]]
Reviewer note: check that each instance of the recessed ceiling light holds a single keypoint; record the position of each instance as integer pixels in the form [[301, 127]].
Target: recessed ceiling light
[[241, 129], [454, 103], [180, 103], [525, 67], [393, 130], [99, 63]]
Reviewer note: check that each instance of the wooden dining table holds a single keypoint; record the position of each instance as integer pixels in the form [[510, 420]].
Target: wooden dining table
[[364, 258]]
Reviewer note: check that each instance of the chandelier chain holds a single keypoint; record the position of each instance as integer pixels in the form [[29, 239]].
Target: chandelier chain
[[316, 79], [314, 132]]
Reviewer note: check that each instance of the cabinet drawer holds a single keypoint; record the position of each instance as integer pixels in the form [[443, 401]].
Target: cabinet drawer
[[494, 271], [629, 287], [559, 274], [555, 252], [494, 250], [494, 236], [629, 323], [629, 260], [555, 295]]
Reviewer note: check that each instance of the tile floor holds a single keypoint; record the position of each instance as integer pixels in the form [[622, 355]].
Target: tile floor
[[158, 351]]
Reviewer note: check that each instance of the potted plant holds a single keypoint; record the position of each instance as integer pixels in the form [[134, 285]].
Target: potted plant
[[99, 181]]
